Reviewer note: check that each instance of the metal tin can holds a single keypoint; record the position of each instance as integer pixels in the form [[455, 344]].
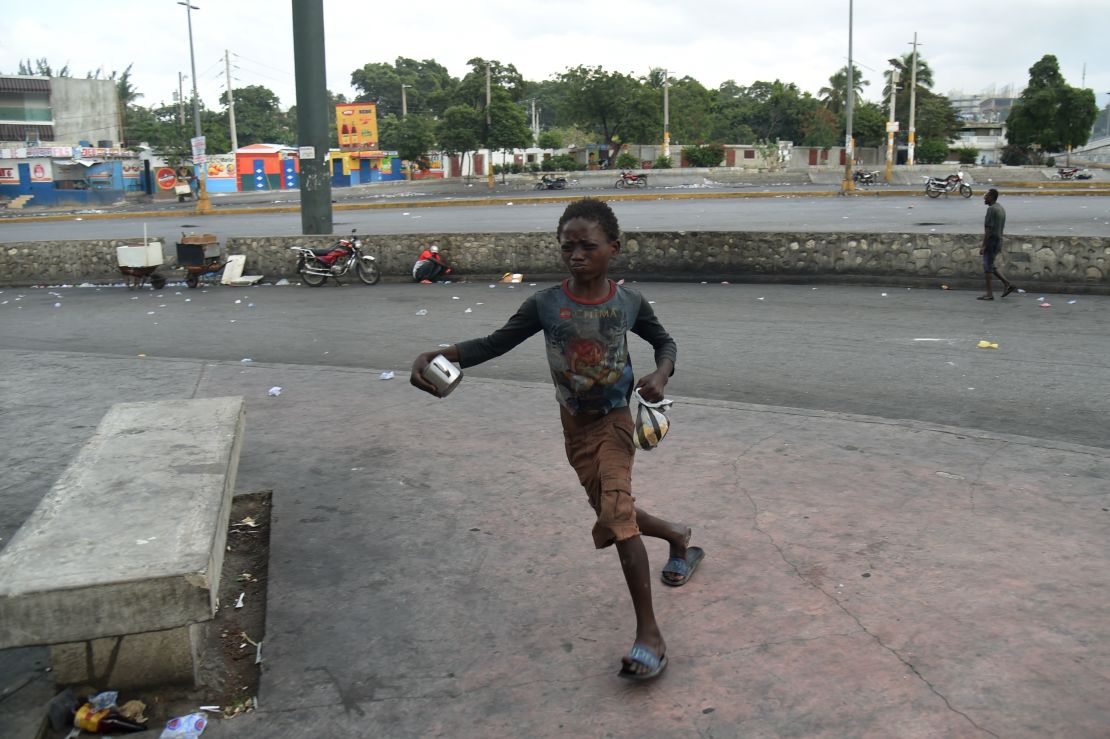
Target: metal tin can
[[443, 374]]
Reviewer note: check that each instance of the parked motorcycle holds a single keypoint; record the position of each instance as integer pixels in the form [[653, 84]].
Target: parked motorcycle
[[549, 182], [629, 179], [935, 186], [344, 257], [1071, 173], [865, 178]]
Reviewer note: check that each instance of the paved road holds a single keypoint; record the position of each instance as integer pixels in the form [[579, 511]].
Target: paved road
[[1072, 216], [907, 354]]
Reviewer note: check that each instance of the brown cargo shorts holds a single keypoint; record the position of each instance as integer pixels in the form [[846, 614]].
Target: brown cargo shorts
[[600, 450]]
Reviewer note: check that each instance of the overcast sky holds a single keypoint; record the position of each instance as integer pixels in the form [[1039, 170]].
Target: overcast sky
[[970, 45]]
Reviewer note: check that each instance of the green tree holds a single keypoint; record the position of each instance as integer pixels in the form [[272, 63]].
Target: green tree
[[508, 127], [415, 138], [1051, 113], [931, 151], [427, 86], [550, 139], [728, 114], [610, 103], [460, 130], [259, 118], [42, 68], [904, 65], [709, 155], [869, 125], [833, 97], [821, 128]]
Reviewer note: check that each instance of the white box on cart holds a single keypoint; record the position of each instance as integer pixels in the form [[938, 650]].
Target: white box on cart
[[140, 256]]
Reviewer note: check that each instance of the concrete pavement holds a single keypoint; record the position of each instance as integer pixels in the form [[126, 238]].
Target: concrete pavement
[[431, 571]]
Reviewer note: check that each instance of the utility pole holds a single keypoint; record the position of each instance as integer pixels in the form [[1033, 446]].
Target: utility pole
[[204, 205], [180, 98], [230, 104], [850, 99], [535, 123], [895, 77], [666, 114], [489, 167], [404, 101], [312, 115], [913, 102]]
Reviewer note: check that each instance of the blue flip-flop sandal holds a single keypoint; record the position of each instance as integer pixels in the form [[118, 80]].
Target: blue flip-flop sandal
[[681, 570], [643, 655]]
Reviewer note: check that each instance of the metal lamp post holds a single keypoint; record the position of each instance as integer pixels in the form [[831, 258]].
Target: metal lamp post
[[204, 205]]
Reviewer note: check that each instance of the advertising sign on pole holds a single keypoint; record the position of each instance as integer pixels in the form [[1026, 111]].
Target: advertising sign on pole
[[197, 142]]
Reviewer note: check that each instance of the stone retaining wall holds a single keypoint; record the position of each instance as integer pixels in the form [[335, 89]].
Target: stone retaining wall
[[1079, 263]]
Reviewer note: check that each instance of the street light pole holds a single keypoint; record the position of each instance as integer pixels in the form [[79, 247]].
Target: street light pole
[[204, 205], [895, 77], [666, 114], [404, 101]]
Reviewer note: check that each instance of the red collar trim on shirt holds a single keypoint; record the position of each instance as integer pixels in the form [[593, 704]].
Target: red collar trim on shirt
[[580, 301]]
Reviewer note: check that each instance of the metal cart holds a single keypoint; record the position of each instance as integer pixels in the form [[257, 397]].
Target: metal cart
[[138, 264], [198, 255]]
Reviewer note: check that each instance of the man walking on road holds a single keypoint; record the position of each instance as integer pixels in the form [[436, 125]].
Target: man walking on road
[[993, 226]]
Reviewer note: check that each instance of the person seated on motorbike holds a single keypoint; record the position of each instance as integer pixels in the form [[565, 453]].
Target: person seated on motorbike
[[429, 265]]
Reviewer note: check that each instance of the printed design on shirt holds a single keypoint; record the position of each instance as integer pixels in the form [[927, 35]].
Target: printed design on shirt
[[588, 355]]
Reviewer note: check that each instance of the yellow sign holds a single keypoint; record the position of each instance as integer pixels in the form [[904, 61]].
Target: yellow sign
[[356, 124]]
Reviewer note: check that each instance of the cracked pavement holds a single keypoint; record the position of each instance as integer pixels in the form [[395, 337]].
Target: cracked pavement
[[432, 573]]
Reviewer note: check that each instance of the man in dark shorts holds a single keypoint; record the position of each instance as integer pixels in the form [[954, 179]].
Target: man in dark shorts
[[993, 225]]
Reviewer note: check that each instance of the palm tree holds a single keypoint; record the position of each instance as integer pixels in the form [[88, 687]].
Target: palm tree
[[903, 65], [834, 96]]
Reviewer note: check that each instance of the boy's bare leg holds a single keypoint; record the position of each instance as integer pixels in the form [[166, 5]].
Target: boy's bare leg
[[677, 535], [634, 563]]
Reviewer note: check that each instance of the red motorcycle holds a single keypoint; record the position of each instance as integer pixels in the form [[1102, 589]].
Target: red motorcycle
[[344, 257], [629, 179]]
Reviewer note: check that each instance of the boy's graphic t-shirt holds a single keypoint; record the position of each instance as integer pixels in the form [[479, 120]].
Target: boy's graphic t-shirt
[[586, 343]]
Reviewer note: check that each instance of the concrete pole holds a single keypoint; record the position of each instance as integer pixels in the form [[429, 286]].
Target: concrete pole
[[230, 104], [913, 103], [850, 98], [204, 205], [666, 114], [312, 115], [404, 101], [535, 123], [489, 164], [895, 77], [180, 98]]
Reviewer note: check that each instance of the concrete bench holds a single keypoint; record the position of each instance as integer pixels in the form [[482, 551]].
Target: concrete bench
[[121, 560]]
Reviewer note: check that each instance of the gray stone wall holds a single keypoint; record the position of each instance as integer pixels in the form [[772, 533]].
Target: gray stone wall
[[1080, 263]]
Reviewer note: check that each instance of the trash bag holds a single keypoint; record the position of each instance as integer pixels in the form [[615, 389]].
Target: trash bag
[[651, 422]]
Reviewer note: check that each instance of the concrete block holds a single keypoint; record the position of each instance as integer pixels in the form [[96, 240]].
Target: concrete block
[[131, 537], [134, 661]]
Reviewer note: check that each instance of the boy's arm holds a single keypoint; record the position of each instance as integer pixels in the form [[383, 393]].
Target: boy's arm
[[524, 323], [649, 328]]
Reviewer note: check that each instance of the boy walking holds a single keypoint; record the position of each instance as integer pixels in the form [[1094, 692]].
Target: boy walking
[[585, 321]]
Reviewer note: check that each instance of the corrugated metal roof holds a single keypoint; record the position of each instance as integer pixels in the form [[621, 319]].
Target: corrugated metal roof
[[18, 132], [24, 84]]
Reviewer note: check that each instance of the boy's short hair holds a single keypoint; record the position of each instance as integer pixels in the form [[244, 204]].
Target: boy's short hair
[[993, 192], [590, 209]]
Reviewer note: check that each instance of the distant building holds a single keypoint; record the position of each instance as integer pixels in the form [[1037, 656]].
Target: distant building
[[990, 105], [37, 111], [989, 138]]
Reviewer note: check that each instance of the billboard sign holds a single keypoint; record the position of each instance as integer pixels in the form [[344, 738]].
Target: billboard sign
[[356, 124]]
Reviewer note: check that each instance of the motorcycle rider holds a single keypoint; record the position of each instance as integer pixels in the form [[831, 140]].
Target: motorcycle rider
[[429, 265]]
